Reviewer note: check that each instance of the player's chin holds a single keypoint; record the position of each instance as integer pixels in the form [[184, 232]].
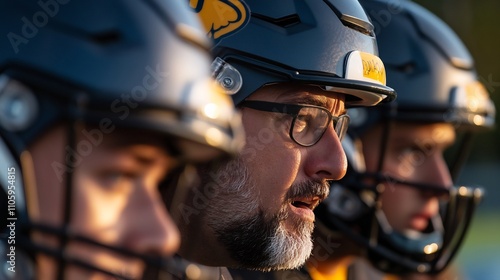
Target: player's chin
[[298, 222]]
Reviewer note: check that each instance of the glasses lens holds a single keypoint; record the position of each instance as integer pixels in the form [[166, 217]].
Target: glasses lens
[[341, 125], [309, 125]]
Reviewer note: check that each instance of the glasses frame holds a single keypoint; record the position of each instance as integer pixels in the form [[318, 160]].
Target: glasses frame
[[293, 110]]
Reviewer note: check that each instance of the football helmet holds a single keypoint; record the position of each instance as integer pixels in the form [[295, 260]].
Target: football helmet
[[329, 44], [435, 78], [134, 64]]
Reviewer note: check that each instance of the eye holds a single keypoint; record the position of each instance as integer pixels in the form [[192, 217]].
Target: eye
[[117, 177], [415, 153], [303, 122], [409, 151]]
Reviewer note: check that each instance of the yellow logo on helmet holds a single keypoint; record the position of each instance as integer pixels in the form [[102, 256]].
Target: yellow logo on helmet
[[373, 67], [365, 67], [221, 17]]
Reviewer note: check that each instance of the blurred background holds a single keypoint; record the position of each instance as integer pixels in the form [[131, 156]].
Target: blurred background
[[477, 24]]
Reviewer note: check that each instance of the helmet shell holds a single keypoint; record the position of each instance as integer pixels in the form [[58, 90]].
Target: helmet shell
[[127, 61], [297, 41], [429, 67]]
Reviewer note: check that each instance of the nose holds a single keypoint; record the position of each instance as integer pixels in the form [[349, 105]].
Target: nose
[[151, 229], [437, 173], [441, 175], [326, 160]]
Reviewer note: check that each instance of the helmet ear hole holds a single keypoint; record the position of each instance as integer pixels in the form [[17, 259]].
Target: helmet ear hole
[[18, 105]]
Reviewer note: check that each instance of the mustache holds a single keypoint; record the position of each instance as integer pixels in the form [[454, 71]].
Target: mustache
[[308, 189]]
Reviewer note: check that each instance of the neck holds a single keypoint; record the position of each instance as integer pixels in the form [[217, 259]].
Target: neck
[[198, 241], [203, 248]]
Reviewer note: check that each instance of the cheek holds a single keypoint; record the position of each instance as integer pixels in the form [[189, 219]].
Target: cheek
[[49, 172], [103, 209], [274, 168], [371, 159], [397, 203], [50, 197], [273, 160], [393, 195]]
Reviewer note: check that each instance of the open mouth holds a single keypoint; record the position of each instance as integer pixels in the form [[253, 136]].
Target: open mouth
[[420, 222], [303, 207], [306, 203]]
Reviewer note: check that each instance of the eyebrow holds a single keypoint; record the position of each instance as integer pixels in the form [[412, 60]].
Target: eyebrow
[[311, 100], [130, 149], [307, 99], [142, 158], [319, 101]]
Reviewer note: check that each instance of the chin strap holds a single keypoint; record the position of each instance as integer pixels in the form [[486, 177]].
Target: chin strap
[[458, 215]]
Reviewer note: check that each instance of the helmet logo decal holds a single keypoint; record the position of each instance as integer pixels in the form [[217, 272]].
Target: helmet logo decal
[[365, 67], [373, 68], [221, 17]]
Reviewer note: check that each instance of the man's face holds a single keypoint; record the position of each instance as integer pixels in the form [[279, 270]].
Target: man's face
[[414, 154], [115, 201], [262, 212]]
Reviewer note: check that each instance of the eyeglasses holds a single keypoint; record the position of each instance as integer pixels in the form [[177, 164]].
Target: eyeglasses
[[309, 122]]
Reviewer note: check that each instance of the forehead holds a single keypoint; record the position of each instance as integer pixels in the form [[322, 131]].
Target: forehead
[[130, 147], [129, 139], [437, 132], [299, 94]]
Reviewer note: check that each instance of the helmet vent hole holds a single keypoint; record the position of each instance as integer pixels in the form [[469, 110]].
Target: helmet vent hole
[[284, 22], [107, 38], [407, 68]]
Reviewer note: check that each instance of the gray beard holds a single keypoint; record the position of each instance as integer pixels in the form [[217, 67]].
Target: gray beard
[[260, 244], [255, 239]]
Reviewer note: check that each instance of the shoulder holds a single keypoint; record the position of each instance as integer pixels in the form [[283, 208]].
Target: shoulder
[[362, 270]]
